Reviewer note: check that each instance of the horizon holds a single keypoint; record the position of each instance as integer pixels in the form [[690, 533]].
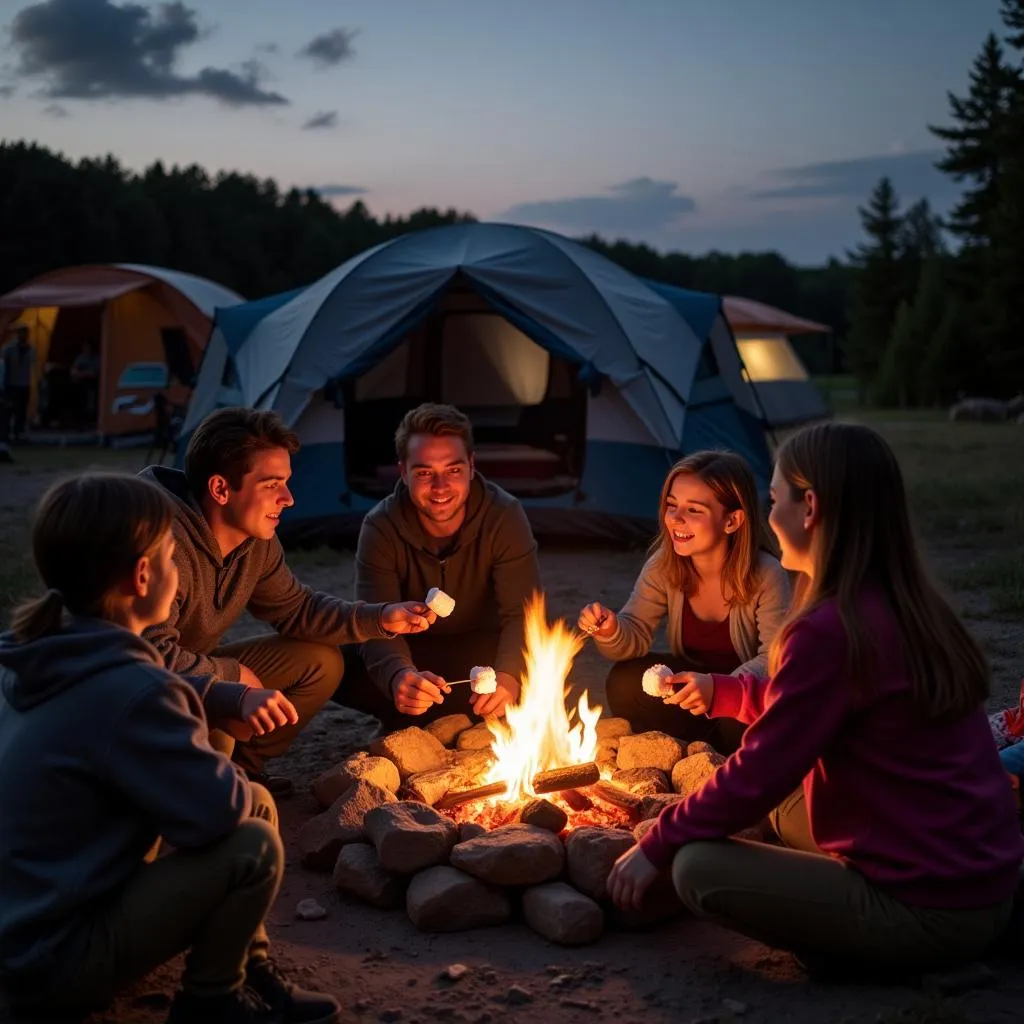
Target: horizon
[[733, 130]]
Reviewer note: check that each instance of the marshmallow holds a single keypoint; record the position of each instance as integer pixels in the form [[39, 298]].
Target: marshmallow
[[654, 682], [482, 679], [440, 603]]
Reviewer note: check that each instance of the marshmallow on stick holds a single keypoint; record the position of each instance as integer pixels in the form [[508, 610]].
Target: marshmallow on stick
[[439, 602], [483, 679], [655, 682]]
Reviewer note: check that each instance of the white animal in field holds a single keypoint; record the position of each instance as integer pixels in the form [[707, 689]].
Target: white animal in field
[[987, 410]]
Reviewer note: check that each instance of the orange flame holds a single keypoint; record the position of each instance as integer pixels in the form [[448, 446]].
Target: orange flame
[[538, 734]]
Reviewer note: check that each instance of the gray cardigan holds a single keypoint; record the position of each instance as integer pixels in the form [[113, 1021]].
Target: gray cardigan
[[752, 627]]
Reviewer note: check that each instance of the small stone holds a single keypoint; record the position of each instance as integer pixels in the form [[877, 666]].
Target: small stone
[[390, 1015], [544, 814], [447, 728], [310, 910], [362, 1005], [517, 995], [455, 971], [649, 750], [735, 1006]]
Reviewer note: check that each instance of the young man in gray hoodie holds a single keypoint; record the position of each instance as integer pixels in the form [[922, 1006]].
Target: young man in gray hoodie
[[228, 502], [443, 526]]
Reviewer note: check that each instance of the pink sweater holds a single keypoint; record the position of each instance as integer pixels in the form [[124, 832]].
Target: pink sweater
[[922, 808]]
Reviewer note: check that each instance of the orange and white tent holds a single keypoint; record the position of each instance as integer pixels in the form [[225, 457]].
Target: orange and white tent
[[148, 325]]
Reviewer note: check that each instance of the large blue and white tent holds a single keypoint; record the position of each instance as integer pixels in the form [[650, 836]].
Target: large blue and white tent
[[583, 384]]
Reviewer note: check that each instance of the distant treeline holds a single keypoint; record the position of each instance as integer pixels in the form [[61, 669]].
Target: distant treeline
[[258, 239]]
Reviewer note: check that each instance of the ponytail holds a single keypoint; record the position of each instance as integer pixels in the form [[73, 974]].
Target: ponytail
[[39, 616]]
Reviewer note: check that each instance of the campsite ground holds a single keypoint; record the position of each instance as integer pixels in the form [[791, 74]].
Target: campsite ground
[[966, 484]]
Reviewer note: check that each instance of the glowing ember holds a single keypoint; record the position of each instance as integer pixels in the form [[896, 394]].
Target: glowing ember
[[537, 734]]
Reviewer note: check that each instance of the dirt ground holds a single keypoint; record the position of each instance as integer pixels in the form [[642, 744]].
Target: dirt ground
[[381, 968]]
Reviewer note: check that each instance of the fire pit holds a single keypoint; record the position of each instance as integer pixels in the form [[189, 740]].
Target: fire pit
[[454, 820]]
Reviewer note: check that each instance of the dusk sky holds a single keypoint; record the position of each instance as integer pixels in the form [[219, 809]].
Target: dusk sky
[[686, 124]]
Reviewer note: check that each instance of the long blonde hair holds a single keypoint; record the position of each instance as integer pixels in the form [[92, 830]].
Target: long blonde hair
[[732, 483], [864, 536], [89, 533]]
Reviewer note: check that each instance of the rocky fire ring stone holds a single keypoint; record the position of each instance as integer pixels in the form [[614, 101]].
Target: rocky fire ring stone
[[512, 855], [358, 871], [322, 837], [563, 915], [411, 750], [649, 750], [690, 774], [361, 766], [591, 851], [443, 899], [410, 836]]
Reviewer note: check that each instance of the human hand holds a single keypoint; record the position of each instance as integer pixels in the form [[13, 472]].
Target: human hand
[[247, 677], [631, 876], [263, 711], [507, 692], [696, 693], [597, 620], [414, 692], [407, 617]]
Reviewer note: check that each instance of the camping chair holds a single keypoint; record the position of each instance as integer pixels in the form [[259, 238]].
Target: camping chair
[[169, 420]]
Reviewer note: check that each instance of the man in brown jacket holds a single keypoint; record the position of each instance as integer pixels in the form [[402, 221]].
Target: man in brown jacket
[[443, 526]]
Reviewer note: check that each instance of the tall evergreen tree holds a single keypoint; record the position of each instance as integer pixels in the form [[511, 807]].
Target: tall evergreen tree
[[880, 285]]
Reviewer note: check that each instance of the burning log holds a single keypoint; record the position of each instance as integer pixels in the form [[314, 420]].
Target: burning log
[[467, 796], [576, 800], [617, 797], [573, 777]]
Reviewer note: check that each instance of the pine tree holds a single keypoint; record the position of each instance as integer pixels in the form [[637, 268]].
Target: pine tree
[[880, 285]]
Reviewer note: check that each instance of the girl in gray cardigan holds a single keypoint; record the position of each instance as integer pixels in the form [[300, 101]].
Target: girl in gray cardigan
[[712, 578]]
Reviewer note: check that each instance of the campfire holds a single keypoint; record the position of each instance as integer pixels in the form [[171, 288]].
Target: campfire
[[462, 823]]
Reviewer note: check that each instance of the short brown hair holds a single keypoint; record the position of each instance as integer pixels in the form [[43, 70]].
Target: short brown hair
[[436, 420], [89, 532], [225, 442]]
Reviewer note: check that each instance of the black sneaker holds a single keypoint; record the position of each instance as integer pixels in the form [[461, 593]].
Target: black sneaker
[[243, 1006], [278, 786], [293, 1004]]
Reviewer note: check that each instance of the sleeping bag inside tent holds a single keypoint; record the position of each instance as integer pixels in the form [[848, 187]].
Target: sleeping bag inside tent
[[583, 385]]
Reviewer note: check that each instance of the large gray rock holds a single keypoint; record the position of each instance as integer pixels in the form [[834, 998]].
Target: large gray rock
[[652, 806], [443, 899], [642, 781], [591, 851], [410, 836], [563, 915], [649, 750], [357, 871], [471, 830], [512, 855], [360, 766], [613, 728], [690, 774], [447, 728], [477, 738], [322, 837], [412, 750]]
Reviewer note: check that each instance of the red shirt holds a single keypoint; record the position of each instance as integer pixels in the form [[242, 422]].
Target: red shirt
[[708, 644], [921, 807]]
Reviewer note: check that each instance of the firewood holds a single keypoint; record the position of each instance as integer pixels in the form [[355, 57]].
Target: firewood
[[577, 800], [467, 796], [616, 796], [573, 777]]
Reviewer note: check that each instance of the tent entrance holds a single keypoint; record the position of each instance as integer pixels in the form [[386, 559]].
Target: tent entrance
[[527, 407], [69, 386]]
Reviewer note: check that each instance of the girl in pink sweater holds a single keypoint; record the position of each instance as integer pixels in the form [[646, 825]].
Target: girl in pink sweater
[[875, 703]]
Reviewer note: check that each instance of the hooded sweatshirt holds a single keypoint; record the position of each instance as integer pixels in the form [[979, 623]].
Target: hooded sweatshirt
[[214, 590], [102, 751], [490, 569]]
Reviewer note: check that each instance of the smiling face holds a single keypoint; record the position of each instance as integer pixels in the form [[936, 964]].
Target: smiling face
[[438, 472], [695, 521], [254, 509]]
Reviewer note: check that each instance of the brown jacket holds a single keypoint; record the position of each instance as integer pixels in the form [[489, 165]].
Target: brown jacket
[[490, 571]]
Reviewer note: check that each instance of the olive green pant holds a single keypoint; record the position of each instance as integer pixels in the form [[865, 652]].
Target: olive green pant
[[211, 902], [821, 908]]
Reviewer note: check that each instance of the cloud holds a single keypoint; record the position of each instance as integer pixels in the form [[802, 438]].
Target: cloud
[[6, 92], [330, 48], [55, 110], [268, 48], [97, 49], [913, 175], [322, 119], [634, 207], [333, 191]]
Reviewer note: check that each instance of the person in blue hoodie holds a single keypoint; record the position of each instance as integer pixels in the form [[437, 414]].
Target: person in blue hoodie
[[106, 755]]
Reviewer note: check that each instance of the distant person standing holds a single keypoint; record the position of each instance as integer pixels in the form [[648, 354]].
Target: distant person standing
[[85, 375], [19, 359]]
